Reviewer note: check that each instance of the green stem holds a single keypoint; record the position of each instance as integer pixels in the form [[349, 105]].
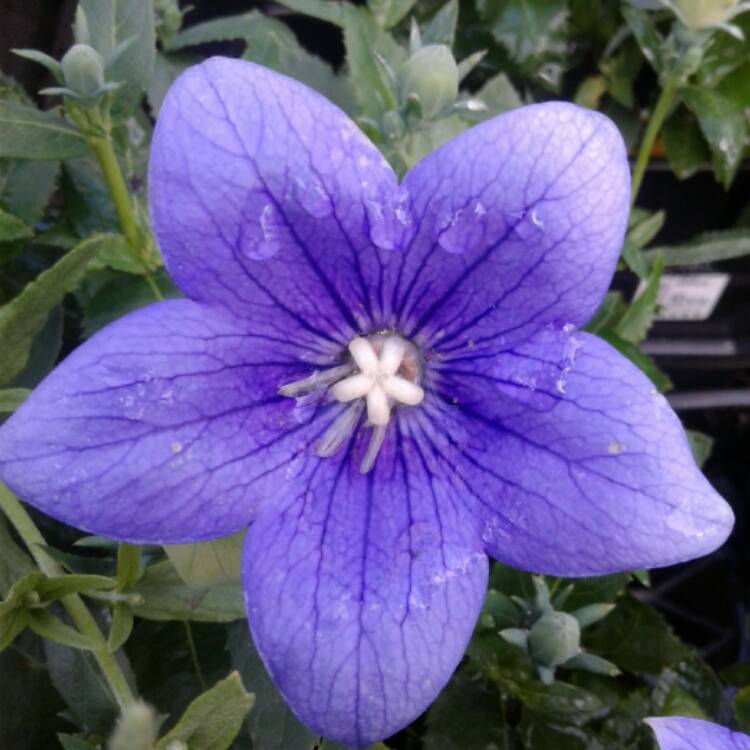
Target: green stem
[[73, 603], [101, 145], [194, 655], [658, 116]]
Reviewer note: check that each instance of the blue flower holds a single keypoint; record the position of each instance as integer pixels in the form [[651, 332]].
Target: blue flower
[[385, 382], [678, 733]]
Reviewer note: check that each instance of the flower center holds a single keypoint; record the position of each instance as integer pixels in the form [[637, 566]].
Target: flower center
[[382, 372]]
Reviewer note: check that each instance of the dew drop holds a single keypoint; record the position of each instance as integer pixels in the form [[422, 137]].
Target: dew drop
[[615, 448], [263, 242], [463, 230], [176, 447], [312, 196], [389, 219]]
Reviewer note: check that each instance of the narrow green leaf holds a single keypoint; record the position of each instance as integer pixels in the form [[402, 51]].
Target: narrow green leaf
[[129, 567], [635, 259], [12, 398], [700, 444], [643, 231], [711, 247], [27, 186], [122, 626], [647, 365], [24, 316], [71, 742], [324, 10], [55, 588], [112, 22], [724, 126], [204, 564], [388, 13], [442, 28], [686, 148], [13, 228], [635, 323], [212, 721], [363, 40], [11, 626], [643, 28], [14, 562], [167, 597], [48, 626], [28, 133]]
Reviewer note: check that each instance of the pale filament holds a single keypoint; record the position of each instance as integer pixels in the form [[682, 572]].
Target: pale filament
[[372, 381]]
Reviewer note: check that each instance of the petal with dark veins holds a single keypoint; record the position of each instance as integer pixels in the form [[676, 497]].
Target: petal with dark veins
[[678, 733], [164, 427], [574, 460], [363, 593], [520, 224], [265, 198]]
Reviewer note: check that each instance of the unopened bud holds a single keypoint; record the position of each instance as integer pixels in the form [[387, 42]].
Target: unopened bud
[[705, 14], [83, 70], [554, 638], [137, 728], [430, 74]]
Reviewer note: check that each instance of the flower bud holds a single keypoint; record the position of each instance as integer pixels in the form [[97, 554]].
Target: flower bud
[[137, 728], [430, 74], [554, 638], [705, 14], [83, 70]]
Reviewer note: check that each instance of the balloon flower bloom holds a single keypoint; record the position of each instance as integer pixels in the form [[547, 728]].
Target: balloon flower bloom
[[385, 381], [677, 733]]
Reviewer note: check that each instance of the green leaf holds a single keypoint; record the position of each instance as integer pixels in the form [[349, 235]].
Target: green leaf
[[204, 564], [271, 724], [686, 148], [500, 95], [47, 626], [388, 13], [167, 597], [741, 704], [166, 69], [324, 10], [11, 626], [596, 590], [634, 258], [724, 126], [645, 227], [112, 22], [465, 716], [643, 28], [122, 626], [12, 398], [71, 742], [363, 40], [57, 587], [442, 28], [635, 323], [129, 565], [28, 133], [212, 721], [27, 186], [610, 311], [711, 247], [636, 638], [620, 71], [700, 444], [647, 365], [737, 675], [115, 253], [13, 228], [24, 316], [14, 562]]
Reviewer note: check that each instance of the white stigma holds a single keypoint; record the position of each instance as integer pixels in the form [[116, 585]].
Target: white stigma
[[380, 376], [377, 380]]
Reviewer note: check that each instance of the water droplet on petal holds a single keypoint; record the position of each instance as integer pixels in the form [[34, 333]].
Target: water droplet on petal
[[264, 240], [615, 448], [528, 223], [389, 219], [313, 197], [463, 230]]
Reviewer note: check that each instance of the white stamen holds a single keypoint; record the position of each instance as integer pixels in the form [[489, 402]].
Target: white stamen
[[378, 410], [364, 355], [392, 355], [340, 430], [319, 379], [403, 390], [376, 441], [356, 386]]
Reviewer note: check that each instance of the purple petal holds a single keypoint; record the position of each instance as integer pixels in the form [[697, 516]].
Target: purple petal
[[164, 427], [265, 197], [363, 593], [678, 733], [578, 465], [522, 221]]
